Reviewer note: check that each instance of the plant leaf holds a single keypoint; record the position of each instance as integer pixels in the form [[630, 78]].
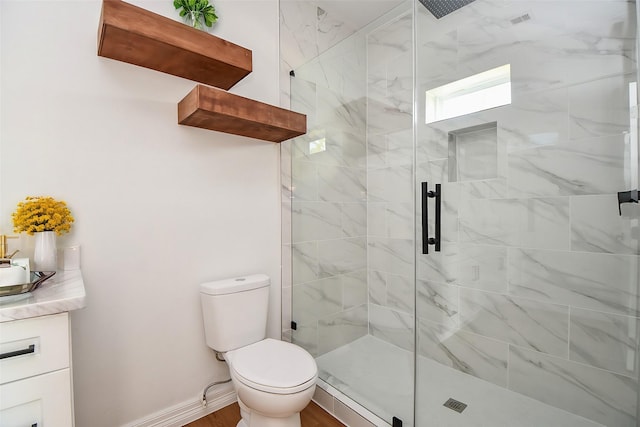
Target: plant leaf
[[210, 17]]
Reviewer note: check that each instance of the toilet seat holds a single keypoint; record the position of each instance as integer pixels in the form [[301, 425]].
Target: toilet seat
[[273, 366]]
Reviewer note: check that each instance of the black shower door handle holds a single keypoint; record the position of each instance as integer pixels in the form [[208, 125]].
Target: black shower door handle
[[426, 195]]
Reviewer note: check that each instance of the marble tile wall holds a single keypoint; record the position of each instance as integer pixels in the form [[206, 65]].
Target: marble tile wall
[[306, 31], [390, 203], [348, 211], [537, 286], [326, 200]]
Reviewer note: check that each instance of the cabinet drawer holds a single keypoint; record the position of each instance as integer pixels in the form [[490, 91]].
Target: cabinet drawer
[[44, 400], [33, 346]]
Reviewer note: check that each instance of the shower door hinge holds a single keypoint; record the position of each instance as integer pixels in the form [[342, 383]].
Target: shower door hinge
[[397, 422], [294, 325]]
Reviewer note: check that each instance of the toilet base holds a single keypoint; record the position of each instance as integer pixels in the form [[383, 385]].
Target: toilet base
[[254, 419]]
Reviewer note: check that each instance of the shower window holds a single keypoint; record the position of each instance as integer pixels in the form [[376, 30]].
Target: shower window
[[479, 92]]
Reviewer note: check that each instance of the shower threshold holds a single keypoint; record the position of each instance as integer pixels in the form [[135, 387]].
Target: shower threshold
[[379, 376]]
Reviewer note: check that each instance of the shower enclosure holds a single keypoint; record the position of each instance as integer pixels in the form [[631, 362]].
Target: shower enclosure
[[460, 239]]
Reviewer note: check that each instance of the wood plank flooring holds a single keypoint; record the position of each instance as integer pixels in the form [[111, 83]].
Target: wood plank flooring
[[311, 416]]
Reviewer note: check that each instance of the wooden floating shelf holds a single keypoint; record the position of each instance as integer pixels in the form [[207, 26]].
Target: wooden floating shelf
[[214, 109], [131, 34], [137, 36]]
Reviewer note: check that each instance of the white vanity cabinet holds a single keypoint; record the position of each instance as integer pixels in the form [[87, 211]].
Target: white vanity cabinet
[[35, 378], [35, 357]]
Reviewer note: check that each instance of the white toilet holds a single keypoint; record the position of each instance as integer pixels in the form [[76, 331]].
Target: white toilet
[[274, 379]]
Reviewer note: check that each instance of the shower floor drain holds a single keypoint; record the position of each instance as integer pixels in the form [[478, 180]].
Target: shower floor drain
[[455, 405]]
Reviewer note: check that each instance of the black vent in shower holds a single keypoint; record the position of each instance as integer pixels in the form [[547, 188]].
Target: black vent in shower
[[440, 8]]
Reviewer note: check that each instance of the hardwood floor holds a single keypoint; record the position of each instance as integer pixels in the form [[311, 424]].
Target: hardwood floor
[[311, 416]]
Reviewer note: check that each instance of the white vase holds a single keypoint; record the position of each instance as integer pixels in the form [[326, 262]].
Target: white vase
[[45, 253]]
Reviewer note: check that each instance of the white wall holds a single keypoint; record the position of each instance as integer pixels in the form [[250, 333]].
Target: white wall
[[159, 207]]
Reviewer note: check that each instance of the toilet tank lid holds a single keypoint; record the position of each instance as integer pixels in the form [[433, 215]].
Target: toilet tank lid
[[235, 284]]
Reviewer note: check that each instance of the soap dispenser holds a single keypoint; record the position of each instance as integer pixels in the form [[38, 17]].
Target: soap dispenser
[[12, 271]]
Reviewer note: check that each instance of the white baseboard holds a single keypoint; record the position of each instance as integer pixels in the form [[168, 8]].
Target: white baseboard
[[184, 413]]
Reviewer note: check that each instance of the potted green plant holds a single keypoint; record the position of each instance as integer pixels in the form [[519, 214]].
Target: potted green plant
[[196, 13]]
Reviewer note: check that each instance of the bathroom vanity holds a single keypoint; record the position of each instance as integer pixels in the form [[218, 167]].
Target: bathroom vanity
[[35, 353]]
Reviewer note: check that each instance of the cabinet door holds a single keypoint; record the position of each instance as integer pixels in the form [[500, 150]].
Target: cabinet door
[[43, 401], [28, 414]]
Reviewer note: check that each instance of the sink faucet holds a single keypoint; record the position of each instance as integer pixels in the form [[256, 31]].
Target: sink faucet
[[3, 246]]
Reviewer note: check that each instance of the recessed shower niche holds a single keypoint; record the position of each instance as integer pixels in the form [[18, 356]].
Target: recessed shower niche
[[473, 153]]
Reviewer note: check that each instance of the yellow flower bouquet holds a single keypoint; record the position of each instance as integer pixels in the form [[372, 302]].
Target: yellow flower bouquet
[[42, 213]]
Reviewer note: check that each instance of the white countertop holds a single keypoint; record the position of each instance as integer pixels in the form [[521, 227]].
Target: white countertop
[[63, 292]]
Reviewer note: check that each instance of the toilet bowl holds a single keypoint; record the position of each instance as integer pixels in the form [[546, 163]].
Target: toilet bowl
[[274, 379]]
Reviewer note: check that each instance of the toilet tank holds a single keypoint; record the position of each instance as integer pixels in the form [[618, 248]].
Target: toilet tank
[[235, 311]]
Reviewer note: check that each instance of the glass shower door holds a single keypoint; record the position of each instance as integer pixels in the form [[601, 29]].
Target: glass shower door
[[352, 233], [528, 313]]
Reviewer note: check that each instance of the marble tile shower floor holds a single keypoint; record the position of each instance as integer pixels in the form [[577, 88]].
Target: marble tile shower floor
[[379, 375]]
